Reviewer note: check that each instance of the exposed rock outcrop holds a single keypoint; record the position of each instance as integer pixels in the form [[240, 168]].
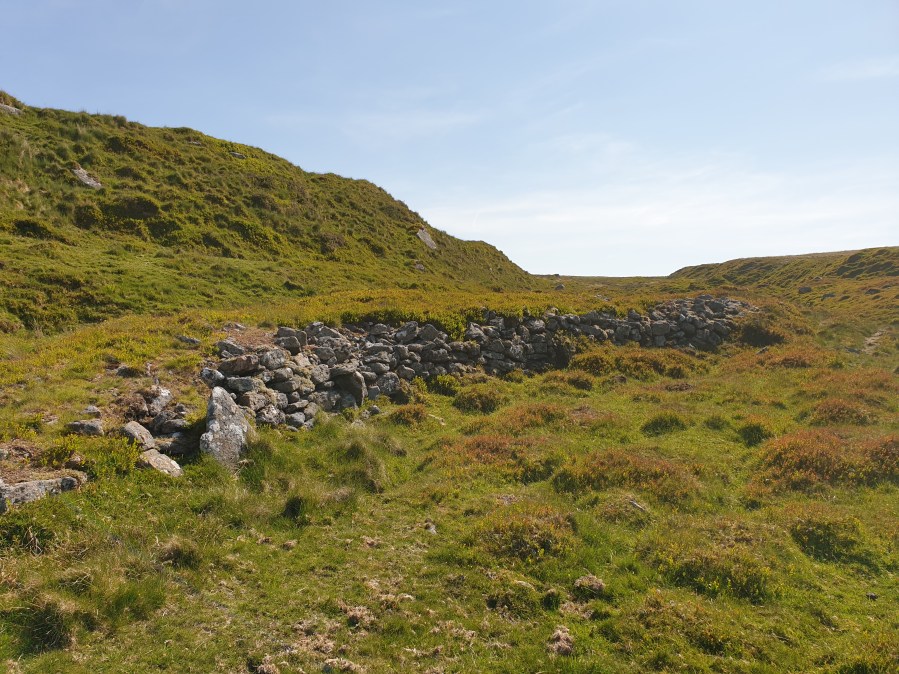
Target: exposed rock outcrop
[[85, 178]]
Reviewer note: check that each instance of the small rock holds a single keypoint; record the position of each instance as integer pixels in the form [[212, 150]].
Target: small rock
[[25, 492], [290, 343], [151, 458], [92, 411], [139, 435], [85, 178], [270, 416], [230, 347], [212, 378], [239, 365], [171, 426], [157, 398], [426, 238], [128, 371], [296, 419], [193, 341], [273, 359], [175, 444], [86, 427], [10, 109], [243, 384], [804, 290]]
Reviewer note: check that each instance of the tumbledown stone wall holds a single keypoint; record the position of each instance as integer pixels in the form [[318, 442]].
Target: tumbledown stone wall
[[329, 369]]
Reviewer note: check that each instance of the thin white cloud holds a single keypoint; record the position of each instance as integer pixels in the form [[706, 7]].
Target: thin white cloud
[[679, 216], [375, 129], [867, 69], [408, 125]]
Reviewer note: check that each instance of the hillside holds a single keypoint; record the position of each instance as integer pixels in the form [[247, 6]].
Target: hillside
[[696, 473], [788, 270], [185, 220]]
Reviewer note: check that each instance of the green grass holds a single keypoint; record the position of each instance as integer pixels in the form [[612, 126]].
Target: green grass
[[180, 222], [454, 539], [738, 507]]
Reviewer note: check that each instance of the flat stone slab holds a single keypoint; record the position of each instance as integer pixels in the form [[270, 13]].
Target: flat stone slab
[[153, 459], [25, 492], [139, 435]]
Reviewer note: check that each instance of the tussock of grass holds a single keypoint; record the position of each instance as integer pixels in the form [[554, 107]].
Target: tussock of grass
[[526, 459], [521, 418], [793, 358], [754, 431], [637, 469], [687, 623], [479, 398], [635, 362], [760, 331], [807, 460], [527, 535], [47, 623], [663, 423], [826, 534], [180, 553], [514, 597], [719, 558], [409, 415], [579, 381], [839, 412], [445, 385]]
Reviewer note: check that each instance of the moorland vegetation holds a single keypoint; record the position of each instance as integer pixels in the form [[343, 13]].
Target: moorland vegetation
[[723, 510]]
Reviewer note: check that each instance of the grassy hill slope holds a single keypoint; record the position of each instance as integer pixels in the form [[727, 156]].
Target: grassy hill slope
[[844, 294], [788, 270], [735, 514], [186, 220]]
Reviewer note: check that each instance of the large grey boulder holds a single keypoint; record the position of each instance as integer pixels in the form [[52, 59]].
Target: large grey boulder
[[227, 429]]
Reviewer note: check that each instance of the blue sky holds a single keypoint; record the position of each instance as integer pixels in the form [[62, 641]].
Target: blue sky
[[596, 138]]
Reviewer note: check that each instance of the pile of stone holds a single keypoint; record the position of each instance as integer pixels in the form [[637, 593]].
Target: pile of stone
[[329, 369], [158, 427]]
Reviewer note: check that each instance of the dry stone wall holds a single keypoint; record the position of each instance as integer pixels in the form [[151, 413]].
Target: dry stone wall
[[329, 369]]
